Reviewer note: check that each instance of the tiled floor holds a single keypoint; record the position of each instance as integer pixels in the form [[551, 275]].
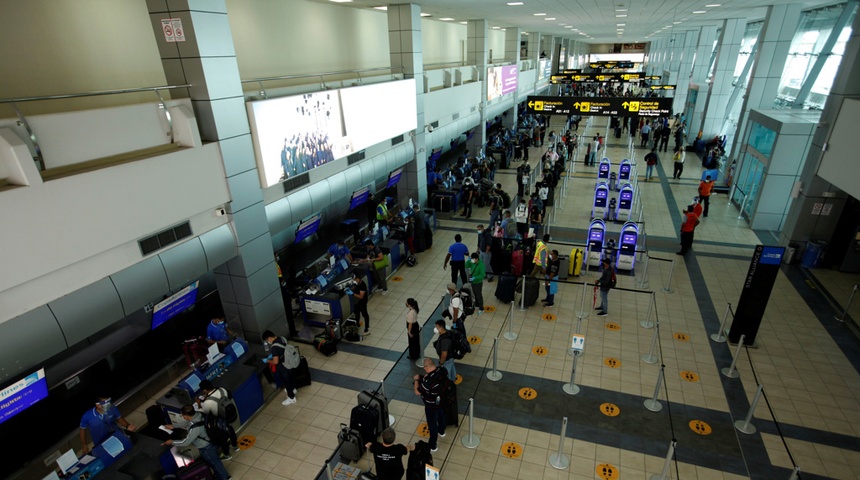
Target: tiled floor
[[810, 382]]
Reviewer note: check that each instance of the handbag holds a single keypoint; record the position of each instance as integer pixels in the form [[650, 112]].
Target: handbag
[[381, 264]]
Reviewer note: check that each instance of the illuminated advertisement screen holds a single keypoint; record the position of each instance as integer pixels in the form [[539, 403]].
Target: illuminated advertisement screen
[[22, 394], [174, 305], [308, 228], [501, 81], [394, 177], [545, 68], [359, 197], [295, 134]]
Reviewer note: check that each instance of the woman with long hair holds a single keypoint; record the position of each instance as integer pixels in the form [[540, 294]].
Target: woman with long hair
[[413, 330]]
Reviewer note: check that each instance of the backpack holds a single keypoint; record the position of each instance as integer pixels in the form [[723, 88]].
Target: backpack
[[418, 457], [226, 406], [468, 302], [459, 344], [217, 429], [613, 281], [291, 353]]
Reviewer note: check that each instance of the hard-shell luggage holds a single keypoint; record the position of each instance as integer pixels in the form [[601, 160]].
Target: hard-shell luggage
[[301, 374], [532, 290], [378, 401], [575, 267], [517, 263], [325, 345], [198, 470], [449, 405], [352, 445], [333, 329], [505, 288], [563, 267], [365, 419], [418, 457], [442, 203]]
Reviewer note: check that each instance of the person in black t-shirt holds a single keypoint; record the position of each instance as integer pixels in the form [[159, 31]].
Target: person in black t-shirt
[[388, 457], [359, 300]]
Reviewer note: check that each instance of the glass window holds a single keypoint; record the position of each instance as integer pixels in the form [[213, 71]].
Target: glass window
[[762, 139]]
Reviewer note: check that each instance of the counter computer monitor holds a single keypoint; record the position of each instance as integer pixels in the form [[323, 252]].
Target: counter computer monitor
[[359, 197], [22, 394], [174, 305], [308, 228], [394, 177]]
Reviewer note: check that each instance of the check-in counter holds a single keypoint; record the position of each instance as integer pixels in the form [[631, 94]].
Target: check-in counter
[[330, 301]]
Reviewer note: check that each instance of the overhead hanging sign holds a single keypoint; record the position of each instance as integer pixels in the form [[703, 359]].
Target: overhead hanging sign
[[611, 64], [564, 78], [601, 106], [662, 87]]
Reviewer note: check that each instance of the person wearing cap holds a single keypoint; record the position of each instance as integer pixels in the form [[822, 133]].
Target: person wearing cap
[[102, 421]]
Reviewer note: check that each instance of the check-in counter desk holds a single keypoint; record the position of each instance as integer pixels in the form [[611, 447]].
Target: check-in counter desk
[[329, 301], [119, 458]]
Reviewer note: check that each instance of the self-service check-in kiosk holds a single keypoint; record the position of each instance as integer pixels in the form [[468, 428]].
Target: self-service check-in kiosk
[[627, 246], [601, 201], [596, 234], [603, 170], [625, 204], [624, 171]]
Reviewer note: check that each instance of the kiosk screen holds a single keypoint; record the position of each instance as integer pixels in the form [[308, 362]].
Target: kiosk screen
[[600, 198]]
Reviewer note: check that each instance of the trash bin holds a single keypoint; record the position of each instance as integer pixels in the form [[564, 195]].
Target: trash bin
[[613, 180], [790, 252], [812, 255]]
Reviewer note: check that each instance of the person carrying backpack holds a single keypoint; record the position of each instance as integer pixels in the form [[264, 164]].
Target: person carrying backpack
[[283, 358], [219, 402], [605, 282], [199, 436], [444, 346], [429, 388], [456, 311]]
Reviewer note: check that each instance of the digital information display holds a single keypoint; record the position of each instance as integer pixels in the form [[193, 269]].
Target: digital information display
[[501, 81], [600, 198], [595, 239], [22, 394], [628, 239], [359, 197], [625, 199], [596, 77], [601, 106], [308, 228], [394, 177], [174, 304]]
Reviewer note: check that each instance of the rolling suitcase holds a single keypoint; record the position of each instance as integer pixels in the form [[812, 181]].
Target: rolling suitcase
[[333, 329], [517, 263], [379, 402], [532, 291], [505, 289], [365, 419], [563, 267], [442, 203], [351, 444], [325, 345], [575, 267], [301, 374], [449, 405], [198, 470]]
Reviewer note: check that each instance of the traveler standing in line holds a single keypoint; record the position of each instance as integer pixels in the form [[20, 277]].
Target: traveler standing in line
[[429, 387], [477, 272], [678, 158], [697, 207], [485, 249], [207, 403], [604, 283], [277, 364], [388, 457], [444, 345], [197, 437], [413, 330], [552, 268], [469, 194], [455, 309], [665, 133], [645, 131], [688, 227], [410, 235], [705, 188], [359, 300], [595, 146], [522, 218], [651, 161], [457, 254]]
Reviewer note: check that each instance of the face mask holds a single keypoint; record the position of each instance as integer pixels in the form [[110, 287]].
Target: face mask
[[474, 260], [436, 330], [480, 232], [105, 405]]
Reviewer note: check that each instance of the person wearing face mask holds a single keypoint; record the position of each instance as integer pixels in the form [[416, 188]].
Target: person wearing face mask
[[551, 283], [444, 345], [277, 362], [477, 272], [485, 249], [359, 302], [102, 421], [218, 332], [197, 436], [413, 331]]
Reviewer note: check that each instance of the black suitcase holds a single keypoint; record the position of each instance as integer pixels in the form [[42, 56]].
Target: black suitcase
[[418, 457], [365, 419], [378, 401], [532, 290], [505, 289], [325, 345], [301, 374], [442, 203], [351, 444], [449, 405]]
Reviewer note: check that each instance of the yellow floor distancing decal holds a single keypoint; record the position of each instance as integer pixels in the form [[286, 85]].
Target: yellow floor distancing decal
[[397, 278], [458, 380], [423, 430], [610, 409], [540, 351], [549, 317], [528, 393], [612, 362], [512, 450], [612, 326], [247, 441], [489, 308], [700, 427], [474, 339], [681, 337], [607, 471], [689, 376]]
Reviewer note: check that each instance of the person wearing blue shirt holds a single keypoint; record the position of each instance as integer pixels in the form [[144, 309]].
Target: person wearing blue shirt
[[218, 332], [102, 421], [339, 251], [457, 254]]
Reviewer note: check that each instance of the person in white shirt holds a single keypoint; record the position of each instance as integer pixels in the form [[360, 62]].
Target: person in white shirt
[[522, 217]]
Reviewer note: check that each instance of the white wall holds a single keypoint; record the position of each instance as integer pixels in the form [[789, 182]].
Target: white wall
[[441, 104], [442, 41], [496, 43]]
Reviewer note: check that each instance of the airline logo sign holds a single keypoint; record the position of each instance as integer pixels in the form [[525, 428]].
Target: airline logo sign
[[606, 106]]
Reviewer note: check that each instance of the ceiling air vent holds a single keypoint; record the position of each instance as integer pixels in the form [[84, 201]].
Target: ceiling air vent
[[165, 238]]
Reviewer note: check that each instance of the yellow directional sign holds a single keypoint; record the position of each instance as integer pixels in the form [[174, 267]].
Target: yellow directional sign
[[631, 106]]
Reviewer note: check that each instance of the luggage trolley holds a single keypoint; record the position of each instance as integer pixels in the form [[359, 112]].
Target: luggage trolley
[[596, 234], [625, 204], [624, 171], [627, 246], [601, 198]]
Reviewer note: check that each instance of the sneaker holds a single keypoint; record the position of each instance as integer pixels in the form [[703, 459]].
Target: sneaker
[[288, 401], [480, 312], [433, 449], [367, 333], [602, 314], [236, 448], [442, 435], [295, 392], [549, 305], [385, 292], [226, 457], [598, 308]]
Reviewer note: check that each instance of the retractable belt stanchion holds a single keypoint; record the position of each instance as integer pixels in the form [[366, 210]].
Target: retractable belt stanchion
[[495, 375], [510, 334], [572, 388], [795, 474], [841, 318], [523, 293], [559, 460], [471, 440], [652, 403], [391, 418], [667, 464], [720, 336], [328, 469], [651, 358], [583, 312], [642, 282], [730, 370], [667, 288], [744, 426], [647, 323]]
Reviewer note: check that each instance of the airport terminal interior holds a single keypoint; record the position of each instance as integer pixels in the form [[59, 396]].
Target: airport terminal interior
[[164, 163]]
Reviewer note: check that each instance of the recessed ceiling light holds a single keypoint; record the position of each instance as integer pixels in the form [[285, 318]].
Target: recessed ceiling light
[[676, 23], [425, 14], [447, 19], [496, 28], [712, 5], [515, 3], [384, 7], [620, 24], [539, 14], [341, 1], [549, 18], [620, 9], [464, 23], [621, 16], [701, 11], [570, 26]]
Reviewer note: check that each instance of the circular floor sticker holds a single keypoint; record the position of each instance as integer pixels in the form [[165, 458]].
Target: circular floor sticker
[[607, 471], [548, 317], [610, 409], [700, 427], [458, 380], [423, 430], [397, 278], [612, 362], [612, 326], [540, 351], [474, 339], [681, 337], [692, 377], [489, 308], [247, 441], [528, 393], [512, 450]]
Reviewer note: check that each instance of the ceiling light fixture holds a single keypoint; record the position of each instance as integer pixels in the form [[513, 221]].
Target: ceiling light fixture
[[620, 24], [701, 11], [341, 1], [384, 7], [446, 19], [713, 5], [464, 23], [549, 18], [539, 14], [513, 4], [620, 9], [425, 14], [621, 16], [676, 23]]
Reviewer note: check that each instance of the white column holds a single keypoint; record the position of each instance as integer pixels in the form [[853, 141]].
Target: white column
[[476, 54], [701, 67], [685, 65], [728, 47]]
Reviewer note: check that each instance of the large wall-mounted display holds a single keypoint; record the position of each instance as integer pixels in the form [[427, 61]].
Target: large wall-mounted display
[[501, 81], [295, 134], [22, 394]]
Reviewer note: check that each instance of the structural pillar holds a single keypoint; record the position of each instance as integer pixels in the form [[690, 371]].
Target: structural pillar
[[728, 48], [512, 56], [476, 54], [685, 66], [699, 77], [248, 284]]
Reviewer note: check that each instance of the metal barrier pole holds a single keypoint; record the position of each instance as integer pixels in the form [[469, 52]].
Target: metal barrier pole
[[495, 375], [510, 334], [391, 419], [647, 323], [471, 440], [559, 460], [841, 318], [667, 464], [667, 288], [328, 470], [652, 403], [650, 358], [744, 426], [643, 281], [583, 312], [720, 336], [523, 293], [730, 371], [795, 474], [572, 388], [743, 205]]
